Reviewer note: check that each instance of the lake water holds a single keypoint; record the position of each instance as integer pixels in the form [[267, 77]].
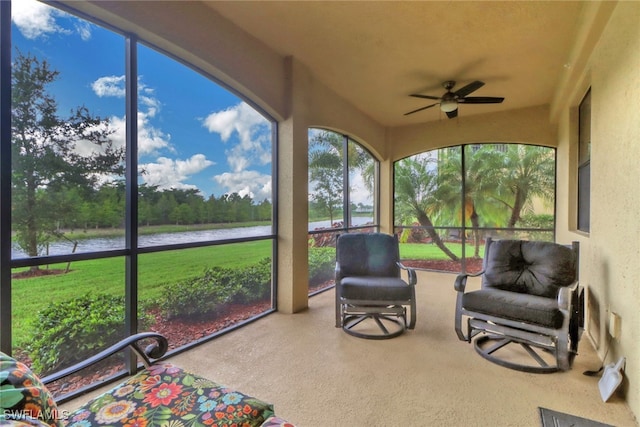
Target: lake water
[[111, 243]]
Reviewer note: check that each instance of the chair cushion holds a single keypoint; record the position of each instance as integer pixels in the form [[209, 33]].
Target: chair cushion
[[275, 421], [23, 397], [376, 288], [167, 395], [530, 309], [360, 254], [535, 268]]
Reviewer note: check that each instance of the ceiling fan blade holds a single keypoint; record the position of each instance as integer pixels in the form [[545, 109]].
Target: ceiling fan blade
[[481, 100], [415, 95], [466, 90], [452, 114], [419, 109]]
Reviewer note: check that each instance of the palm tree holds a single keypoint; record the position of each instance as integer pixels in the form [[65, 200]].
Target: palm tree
[[415, 186], [326, 162], [500, 181], [528, 172], [482, 173]]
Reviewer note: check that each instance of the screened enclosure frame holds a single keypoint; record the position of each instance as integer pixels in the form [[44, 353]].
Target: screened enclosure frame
[[131, 250], [321, 271], [463, 228], [346, 202]]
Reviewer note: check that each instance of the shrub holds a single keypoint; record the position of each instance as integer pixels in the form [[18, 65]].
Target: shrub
[[254, 281], [198, 295], [537, 221], [217, 286], [545, 221], [70, 331], [322, 263]]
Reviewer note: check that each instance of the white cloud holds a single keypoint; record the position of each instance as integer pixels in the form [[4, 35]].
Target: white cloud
[[150, 139], [359, 192], [84, 30], [109, 86], [35, 19], [253, 130], [251, 183], [223, 122], [168, 173]]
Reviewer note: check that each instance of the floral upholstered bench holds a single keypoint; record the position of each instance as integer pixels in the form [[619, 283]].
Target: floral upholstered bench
[[162, 394]]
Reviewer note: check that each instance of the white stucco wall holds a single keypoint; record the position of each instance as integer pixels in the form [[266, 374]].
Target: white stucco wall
[[527, 125], [610, 253]]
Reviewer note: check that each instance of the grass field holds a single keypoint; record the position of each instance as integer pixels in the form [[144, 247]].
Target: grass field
[[29, 295], [432, 252]]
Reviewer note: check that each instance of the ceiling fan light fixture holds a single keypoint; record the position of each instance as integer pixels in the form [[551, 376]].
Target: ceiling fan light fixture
[[448, 105]]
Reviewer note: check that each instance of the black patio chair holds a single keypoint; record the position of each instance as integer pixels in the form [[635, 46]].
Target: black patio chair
[[371, 297], [529, 296]]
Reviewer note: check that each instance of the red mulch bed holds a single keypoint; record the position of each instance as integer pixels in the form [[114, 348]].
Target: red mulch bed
[[180, 332], [37, 273]]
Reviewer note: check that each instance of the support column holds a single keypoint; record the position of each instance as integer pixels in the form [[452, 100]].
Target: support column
[[293, 216], [293, 270], [386, 196]]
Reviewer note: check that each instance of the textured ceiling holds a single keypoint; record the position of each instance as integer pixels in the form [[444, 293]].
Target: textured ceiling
[[374, 54]]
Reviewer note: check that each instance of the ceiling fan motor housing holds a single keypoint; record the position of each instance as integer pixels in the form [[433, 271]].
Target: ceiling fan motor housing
[[449, 84], [449, 101]]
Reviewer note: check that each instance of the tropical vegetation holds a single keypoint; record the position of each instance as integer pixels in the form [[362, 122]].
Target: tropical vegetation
[[484, 186]]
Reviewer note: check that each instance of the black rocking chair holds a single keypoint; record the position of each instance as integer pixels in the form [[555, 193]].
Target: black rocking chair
[[371, 297], [529, 297]]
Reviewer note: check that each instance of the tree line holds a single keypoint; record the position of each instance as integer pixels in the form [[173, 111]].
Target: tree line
[[105, 207]]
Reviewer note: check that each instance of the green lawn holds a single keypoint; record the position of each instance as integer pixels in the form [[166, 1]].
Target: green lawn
[[431, 251], [107, 276]]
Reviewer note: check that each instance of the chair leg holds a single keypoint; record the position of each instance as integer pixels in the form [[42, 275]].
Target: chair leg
[[487, 345], [412, 322], [373, 321], [390, 326], [562, 352], [339, 310]]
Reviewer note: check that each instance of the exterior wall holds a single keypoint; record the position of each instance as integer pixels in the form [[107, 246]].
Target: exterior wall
[[610, 253]]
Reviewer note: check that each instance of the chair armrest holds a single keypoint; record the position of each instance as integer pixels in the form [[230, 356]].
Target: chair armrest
[[461, 280], [152, 351], [338, 272], [565, 295], [411, 273]]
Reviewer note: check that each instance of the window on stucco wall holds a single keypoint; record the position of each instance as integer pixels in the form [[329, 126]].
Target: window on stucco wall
[[584, 163]]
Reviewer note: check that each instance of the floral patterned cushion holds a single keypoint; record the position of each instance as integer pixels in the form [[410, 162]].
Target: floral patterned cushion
[[24, 400], [274, 421], [165, 395]]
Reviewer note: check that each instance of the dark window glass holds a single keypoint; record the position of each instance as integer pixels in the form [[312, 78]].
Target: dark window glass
[[584, 163]]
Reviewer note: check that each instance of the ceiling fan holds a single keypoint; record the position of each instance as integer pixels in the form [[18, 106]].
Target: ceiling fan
[[450, 100]]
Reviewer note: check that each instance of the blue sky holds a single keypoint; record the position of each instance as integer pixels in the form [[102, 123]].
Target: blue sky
[[192, 132]]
